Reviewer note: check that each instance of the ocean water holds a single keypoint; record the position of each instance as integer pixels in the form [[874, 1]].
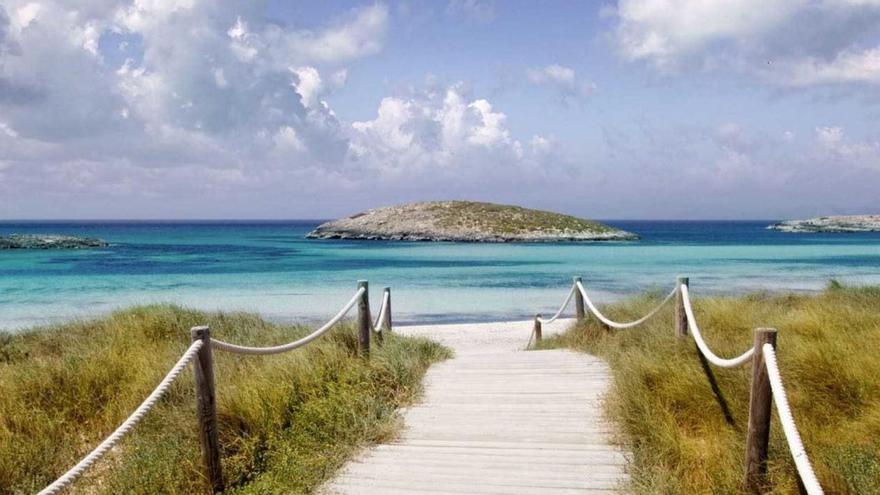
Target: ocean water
[[270, 268]]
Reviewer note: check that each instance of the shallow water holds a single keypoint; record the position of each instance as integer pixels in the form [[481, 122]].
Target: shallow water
[[270, 268]]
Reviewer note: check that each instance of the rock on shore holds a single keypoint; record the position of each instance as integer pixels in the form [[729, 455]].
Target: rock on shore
[[842, 223], [27, 241], [466, 221]]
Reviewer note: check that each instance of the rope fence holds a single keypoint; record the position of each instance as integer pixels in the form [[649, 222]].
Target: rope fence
[[199, 353], [621, 325], [698, 338], [766, 386], [126, 426]]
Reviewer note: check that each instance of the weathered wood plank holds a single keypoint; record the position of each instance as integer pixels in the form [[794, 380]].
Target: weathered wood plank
[[497, 419]]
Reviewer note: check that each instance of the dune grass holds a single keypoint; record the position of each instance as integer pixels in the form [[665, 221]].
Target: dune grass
[[286, 422], [682, 440]]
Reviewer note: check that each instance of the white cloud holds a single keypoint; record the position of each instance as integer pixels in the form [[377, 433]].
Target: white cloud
[[213, 91], [552, 73], [308, 84], [664, 30], [784, 42], [359, 35], [564, 80], [848, 66], [443, 129], [842, 151]]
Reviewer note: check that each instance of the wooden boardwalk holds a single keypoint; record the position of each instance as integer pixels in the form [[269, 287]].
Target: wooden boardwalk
[[497, 420]]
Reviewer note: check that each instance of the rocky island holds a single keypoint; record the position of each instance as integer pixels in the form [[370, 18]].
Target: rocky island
[[23, 241], [841, 223], [466, 221]]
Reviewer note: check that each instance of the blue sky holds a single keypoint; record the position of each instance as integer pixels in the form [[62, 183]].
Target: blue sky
[[248, 109]]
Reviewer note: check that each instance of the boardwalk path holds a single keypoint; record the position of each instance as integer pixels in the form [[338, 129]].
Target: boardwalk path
[[496, 419]]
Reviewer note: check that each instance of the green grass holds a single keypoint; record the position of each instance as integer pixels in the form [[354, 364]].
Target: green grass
[[674, 424], [287, 422]]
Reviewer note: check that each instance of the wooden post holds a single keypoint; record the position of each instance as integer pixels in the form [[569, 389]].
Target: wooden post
[[578, 301], [537, 328], [760, 400], [206, 408], [386, 320], [681, 322], [364, 319]]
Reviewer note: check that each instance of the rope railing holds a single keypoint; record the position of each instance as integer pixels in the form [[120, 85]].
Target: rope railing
[[619, 325], [76, 471], [701, 344], [766, 385], [792, 437], [241, 349], [565, 304], [383, 312], [199, 353]]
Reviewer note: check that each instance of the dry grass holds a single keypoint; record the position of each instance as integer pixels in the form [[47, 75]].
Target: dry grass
[[286, 421], [675, 425]]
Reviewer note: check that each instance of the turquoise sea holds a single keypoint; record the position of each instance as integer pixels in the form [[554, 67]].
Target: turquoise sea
[[270, 268]]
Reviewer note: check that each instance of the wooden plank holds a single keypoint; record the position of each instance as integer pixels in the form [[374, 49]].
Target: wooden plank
[[496, 419]]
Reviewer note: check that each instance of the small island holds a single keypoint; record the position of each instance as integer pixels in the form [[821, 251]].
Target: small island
[[466, 221], [831, 224], [29, 241]]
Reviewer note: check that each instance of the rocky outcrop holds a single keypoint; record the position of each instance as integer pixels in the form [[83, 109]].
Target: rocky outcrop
[[466, 221], [22, 241], [842, 223]]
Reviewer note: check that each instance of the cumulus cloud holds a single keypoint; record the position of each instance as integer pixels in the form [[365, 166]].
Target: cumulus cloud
[[784, 42], [434, 129], [211, 84], [563, 80]]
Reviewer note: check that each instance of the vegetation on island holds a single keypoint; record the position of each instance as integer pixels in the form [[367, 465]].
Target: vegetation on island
[[466, 221], [686, 439], [508, 219], [831, 224], [33, 241], [286, 421]]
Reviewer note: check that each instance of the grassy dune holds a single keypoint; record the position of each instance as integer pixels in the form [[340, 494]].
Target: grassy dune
[[682, 440], [286, 421]]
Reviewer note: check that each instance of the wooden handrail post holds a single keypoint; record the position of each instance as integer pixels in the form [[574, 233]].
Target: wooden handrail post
[[760, 399], [578, 300], [206, 408], [364, 329], [386, 320], [681, 322], [537, 328]]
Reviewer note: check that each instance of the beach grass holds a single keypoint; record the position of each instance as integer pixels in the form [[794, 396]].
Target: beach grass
[[286, 422], [687, 439]]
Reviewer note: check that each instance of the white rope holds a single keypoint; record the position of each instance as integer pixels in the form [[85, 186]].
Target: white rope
[[801, 461], [382, 310], [561, 308], [701, 344], [615, 324], [240, 349], [138, 414]]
